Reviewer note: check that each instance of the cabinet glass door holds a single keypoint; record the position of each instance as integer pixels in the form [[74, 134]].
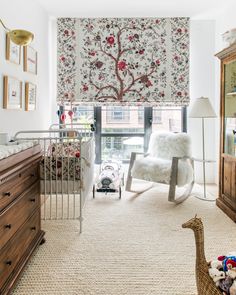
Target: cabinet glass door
[[230, 108]]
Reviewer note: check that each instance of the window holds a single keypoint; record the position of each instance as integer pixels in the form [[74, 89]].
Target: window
[[116, 140], [119, 140], [108, 143], [167, 119], [120, 147], [81, 114], [119, 126]]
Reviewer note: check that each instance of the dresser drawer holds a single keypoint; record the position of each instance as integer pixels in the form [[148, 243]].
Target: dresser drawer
[[17, 246], [18, 212], [16, 184]]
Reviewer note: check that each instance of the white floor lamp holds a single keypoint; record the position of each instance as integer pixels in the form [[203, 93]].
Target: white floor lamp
[[202, 108]]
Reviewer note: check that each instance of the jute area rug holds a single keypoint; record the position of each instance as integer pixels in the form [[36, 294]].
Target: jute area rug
[[132, 246]]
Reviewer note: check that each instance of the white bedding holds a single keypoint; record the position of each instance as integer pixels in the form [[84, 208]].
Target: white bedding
[[9, 150]]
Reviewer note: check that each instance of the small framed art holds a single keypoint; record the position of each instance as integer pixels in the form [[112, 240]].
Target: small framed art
[[30, 60], [13, 51], [12, 93], [30, 96]]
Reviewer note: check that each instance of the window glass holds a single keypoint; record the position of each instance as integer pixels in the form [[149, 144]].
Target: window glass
[[81, 114], [122, 119], [167, 119], [117, 114], [230, 108], [120, 148]]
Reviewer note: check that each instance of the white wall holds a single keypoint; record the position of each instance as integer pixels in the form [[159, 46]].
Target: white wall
[[224, 22], [202, 83], [28, 15], [53, 68]]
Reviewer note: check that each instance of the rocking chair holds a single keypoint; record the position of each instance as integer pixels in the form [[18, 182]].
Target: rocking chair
[[168, 161]]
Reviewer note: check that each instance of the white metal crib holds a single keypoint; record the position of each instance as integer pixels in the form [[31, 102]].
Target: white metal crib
[[66, 170]]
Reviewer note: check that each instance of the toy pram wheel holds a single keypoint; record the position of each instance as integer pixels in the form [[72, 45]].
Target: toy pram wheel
[[120, 192], [94, 191]]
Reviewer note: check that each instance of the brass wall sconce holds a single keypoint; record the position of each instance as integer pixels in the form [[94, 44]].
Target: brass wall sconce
[[19, 37]]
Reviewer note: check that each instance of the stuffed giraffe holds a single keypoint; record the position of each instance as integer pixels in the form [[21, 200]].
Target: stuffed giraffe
[[205, 284]]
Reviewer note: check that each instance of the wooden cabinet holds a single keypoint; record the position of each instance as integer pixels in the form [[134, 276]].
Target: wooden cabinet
[[227, 182], [20, 225]]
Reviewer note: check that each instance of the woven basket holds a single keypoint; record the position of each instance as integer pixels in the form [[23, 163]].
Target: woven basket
[[205, 284]]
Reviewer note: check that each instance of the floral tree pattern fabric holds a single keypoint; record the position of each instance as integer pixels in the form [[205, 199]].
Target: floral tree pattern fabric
[[66, 66], [123, 61], [61, 161]]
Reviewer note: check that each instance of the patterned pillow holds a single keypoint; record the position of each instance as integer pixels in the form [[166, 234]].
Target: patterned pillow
[[65, 149], [66, 168]]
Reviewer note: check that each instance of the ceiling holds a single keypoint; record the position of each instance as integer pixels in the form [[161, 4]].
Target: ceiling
[[202, 9]]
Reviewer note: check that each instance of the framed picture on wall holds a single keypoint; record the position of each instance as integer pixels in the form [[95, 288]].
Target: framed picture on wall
[[12, 93], [30, 96], [13, 51], [30, 60]]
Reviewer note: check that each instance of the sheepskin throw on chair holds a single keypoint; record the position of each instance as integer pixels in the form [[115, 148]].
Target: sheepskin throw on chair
[[123, 61]]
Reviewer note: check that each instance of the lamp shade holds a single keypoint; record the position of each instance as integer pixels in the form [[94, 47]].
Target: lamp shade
[[202, 108]]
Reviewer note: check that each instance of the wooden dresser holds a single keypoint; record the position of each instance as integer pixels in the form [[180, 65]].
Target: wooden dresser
[[20, 224]]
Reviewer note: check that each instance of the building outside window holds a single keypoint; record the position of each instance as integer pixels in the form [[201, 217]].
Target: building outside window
[[167, 119], [140, 115], [83, 114], [156, 116], [117, 114]]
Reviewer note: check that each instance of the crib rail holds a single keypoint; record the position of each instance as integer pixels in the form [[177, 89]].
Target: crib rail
[[66, 157], [89, 127]]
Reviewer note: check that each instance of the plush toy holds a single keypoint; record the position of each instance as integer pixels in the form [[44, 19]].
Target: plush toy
[[225, 285], [216, 264], [216, 275], [231, 271], [232, 289], [231, 259]]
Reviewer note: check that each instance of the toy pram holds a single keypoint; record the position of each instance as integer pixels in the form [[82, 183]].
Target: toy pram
[[110, 179]]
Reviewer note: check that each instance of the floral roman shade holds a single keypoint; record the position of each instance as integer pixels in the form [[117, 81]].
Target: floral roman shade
[[123, 61]]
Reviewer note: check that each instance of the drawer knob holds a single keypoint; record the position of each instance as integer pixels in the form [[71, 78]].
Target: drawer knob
[[9, 262], [8, 226], [32, 200], [32, 174], [7, 194], [33, 228]]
